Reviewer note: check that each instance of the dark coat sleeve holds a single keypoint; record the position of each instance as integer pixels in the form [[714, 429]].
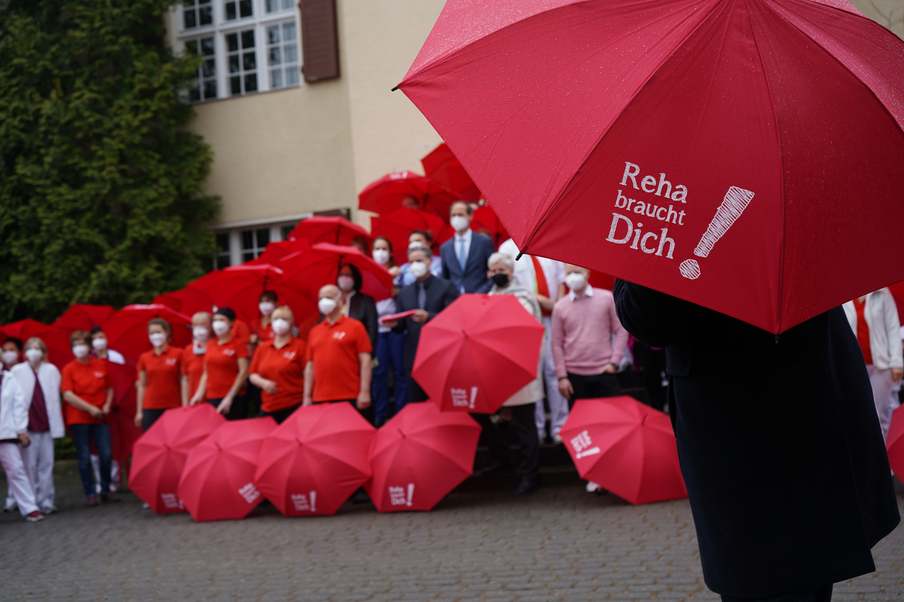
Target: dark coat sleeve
[[369, 318], [652, 317]]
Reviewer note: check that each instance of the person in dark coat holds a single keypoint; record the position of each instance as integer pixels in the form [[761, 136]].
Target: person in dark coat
[[360, 307], [428, 295], [779, 445], [465, 255]]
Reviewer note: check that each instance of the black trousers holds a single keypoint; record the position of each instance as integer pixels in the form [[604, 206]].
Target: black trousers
[[823, 594], [516, 430], [149, 417], [593, 386], [282, 415]]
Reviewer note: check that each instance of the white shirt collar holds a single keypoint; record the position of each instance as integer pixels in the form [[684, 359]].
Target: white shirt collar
[[466, 236], [588, 292]]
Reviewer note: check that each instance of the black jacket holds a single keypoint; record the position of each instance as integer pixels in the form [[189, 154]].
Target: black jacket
[[440, 294], [779, 444], [361, 307]]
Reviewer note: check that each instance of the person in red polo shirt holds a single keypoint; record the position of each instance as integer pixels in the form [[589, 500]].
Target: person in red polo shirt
[[159, 376], [339, 363], [193, 355], [225, 364], [278, 368], [89, 395], [262, 326]]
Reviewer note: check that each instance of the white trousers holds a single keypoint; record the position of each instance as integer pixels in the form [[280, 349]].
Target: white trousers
[[38, 458], [17, 478], [882, 385], [558, 405]]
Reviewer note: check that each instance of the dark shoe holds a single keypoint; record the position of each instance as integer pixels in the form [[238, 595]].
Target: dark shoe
[[490, 468], [526, 487], [34, 517], [91, 501], [108, 498]]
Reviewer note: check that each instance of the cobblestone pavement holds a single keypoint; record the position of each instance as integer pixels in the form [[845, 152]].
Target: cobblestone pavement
[[480, 544]]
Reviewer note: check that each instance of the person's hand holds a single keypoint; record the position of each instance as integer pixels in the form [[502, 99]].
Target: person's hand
[[225, 405], [106, 409], [138, 417], [565, 388], [897, 374], [545, 302], [269, 387], [95, 412], [24, 440], [195, 400], [363, 400], [394, 271], [420, 316], [610, 369], [389, 323]]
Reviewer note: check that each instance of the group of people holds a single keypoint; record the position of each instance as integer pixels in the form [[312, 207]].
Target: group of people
[[362, 353]]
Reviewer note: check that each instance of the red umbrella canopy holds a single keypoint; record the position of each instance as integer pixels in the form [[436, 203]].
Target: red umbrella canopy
[[57, 340], [420, 456], [185, 301], [311, 269], [895, 443], [477, 353], [127, 329], [444, 167], [159, 454], [398, 225], [691, 146], [314, 461], [83, 317], [487, 222], [394, 190], [217, 482], [626, 447], [333, 230]]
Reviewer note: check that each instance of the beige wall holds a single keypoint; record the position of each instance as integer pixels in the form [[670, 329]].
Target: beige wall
[[889, 13]]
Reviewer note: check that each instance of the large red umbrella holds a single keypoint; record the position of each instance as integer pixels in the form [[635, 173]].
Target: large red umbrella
[[56, 339], [398, 225], [389, 192], [127, 329], [487, 222], [420, 456], [185, 301], [83, 317], [334, 230], [477, 353], [310, 269], [314, 461], [626, 447], [699, 147], [218, 479], [159, 454], [895, 443], [442, 166]]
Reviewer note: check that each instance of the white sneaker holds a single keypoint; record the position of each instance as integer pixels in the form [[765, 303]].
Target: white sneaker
[[557, 438], [592, 487]]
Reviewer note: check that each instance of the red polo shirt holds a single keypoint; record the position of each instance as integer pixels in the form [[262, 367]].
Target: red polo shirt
[[90, 382], [334, 349], [192, 368], [162, 378], [285, 367], [222, 364], [264, 333]]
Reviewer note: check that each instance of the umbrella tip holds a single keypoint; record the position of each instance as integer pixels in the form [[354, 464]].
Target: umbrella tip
[[394, 88], [519, 256]]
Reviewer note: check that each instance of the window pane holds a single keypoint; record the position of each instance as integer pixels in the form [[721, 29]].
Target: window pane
[[251, 83], [248, 61], [192, 46], [276, 78], [292, 75], [248, 39], [207, 48], [274, 57], [235, 85], [230, 11], [210, 89], [245, 8], [232, 42], [289, 31], [249, 255], [272, 35], [205, 15], [247, 239], [286, 230], [263, 238], [291, 51], [188, 17]]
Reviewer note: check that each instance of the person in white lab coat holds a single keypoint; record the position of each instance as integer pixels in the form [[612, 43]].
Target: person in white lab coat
[[13, 436]]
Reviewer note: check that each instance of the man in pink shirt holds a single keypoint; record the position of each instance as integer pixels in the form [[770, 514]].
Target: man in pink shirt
[[588, 340]]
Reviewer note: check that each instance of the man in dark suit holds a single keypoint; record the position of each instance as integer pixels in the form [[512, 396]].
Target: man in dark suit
[[779, 444], [465, 255], [427, 296]]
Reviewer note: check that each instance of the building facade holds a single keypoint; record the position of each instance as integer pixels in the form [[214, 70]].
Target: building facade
[[284, 148]]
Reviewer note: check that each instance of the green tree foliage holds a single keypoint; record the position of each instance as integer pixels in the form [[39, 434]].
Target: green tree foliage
[[101, 183]]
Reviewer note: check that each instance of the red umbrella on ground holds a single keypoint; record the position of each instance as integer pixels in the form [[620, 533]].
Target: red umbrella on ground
[[160, 454], [895, 443], [487, 222], [218, 479], [398, 225], [477, 353], [308, 270], [391, 191], [626, 447], [420, 456], [694, 147], [185, 301], [83, 317], [445, 169], [333, 230], [314, 461], [127, 329], [57, 340]]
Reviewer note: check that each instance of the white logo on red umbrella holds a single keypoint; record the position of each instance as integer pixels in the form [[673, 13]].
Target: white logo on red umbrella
[[581, 444], [401, 495], [249, 492], [171, 500], [98, 375], [304, 502], [461, 399]]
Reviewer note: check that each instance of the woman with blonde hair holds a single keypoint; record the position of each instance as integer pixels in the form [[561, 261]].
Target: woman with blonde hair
[[278, 367]]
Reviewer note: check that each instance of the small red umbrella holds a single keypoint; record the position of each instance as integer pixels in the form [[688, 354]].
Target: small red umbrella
[[314, 461], [185, 301], [477, 353], [487, 222], [83, 317], [390, 192], [159, 454], [218, 479], [895, 443], [398, 225], [420, 456], [445, 168], [306, 271], [56, 339], [334, 230], [626, 447], [127, 329]]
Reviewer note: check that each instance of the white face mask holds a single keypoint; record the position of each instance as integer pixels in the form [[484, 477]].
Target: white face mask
[[220, 327], [381, 256], [266, 308], [99, 344], [10, 357], [345, 283], [418, 269], [200, 333], [280, 326], [460, 222], [158, 339], [80, 351], [326, 305], [34, 355], [576, 281]]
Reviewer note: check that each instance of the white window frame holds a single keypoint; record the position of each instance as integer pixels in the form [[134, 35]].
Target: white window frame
[[234, 231]]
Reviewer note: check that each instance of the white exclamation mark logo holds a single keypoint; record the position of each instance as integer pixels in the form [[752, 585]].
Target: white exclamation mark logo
[[473, 402], [733, 205], [410, 501], [313, 497]]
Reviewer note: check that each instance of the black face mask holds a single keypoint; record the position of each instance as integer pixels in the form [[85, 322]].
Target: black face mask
[[501, 280]]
